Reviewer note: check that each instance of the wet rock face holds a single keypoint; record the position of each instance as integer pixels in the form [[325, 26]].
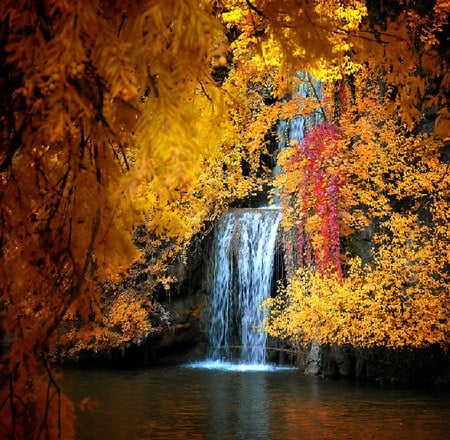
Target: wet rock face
[[185, 338], [313, 363], [428, 366]]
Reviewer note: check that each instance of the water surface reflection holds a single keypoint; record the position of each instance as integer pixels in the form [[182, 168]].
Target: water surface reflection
[[182, 403]]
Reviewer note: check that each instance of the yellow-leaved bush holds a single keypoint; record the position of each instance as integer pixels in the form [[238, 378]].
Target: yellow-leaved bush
[[400, 299]]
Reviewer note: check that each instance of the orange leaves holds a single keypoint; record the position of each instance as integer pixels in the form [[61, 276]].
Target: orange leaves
[[111, 112], [130, 318], [443, 124], [66, 211], [126, 316]]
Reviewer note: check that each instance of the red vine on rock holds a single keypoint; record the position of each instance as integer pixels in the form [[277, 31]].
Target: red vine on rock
[[318, 194]]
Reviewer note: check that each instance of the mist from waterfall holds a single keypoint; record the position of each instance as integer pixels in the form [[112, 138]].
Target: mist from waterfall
[[241, 273]]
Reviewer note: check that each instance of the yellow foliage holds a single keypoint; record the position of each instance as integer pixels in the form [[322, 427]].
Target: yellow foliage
[[398, 301]]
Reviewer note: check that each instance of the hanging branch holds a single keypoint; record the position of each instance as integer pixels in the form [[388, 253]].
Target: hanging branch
[[254, 8]]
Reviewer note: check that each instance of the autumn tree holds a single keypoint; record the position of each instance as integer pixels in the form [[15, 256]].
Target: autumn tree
[[110, 117]]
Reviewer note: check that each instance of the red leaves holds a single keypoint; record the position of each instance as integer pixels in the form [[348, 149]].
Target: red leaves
[[318, 190]]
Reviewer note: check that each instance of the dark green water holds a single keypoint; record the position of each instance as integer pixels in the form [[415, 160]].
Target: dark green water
[[182, 403]]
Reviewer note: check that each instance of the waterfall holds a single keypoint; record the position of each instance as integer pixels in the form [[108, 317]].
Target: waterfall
[[241, 278], [293, 130]]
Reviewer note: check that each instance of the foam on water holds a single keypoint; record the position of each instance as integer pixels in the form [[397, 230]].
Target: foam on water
[[235, 367]]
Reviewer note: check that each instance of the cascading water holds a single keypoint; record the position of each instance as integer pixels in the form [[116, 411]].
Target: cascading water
[[242, 264], [241, 278], [293, 130]]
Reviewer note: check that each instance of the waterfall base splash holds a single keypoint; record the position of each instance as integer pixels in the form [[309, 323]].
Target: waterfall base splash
[[236, 367]]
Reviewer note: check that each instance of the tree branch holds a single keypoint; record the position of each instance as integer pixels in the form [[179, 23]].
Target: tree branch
[[254, 8]]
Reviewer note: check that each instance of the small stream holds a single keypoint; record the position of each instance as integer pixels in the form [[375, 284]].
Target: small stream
[[201, 403]]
